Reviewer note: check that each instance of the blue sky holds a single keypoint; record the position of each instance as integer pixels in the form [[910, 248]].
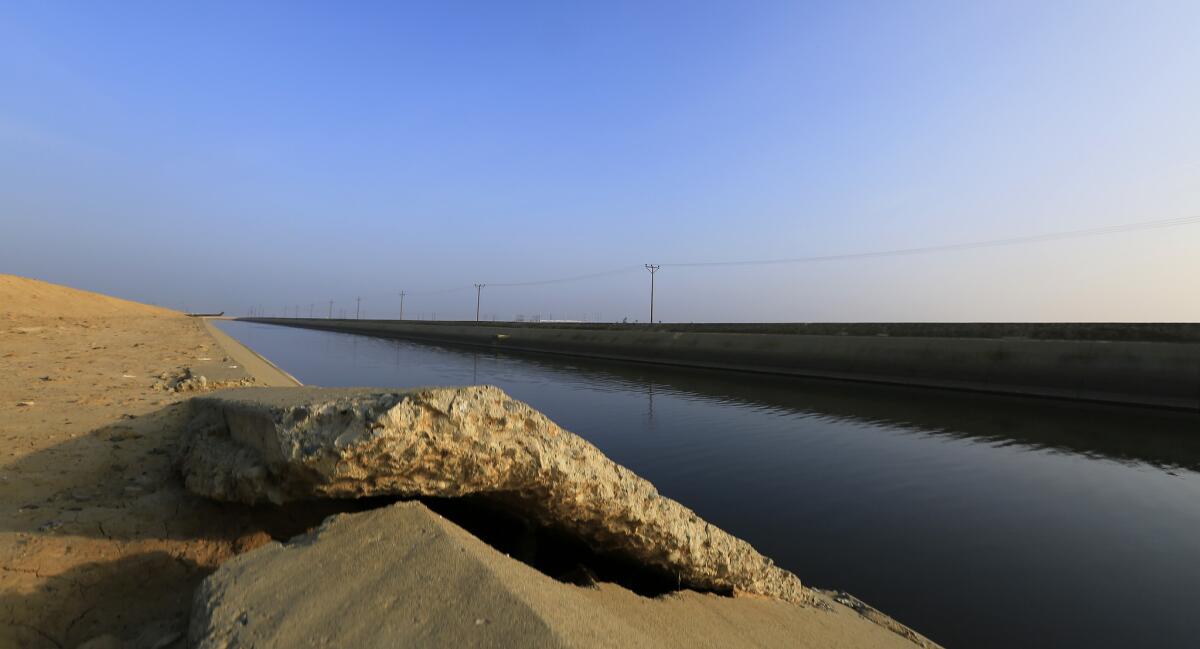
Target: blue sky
[[229, 155]]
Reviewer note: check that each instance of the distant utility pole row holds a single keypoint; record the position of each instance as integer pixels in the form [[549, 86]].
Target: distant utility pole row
[[478, 293], [653, 268]]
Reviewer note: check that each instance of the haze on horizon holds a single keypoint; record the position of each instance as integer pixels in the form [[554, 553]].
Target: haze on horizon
[[222, 156]]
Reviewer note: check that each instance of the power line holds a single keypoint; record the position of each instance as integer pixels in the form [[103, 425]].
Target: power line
[[896, 252], [441, 291], [574, 278], [990, 243]]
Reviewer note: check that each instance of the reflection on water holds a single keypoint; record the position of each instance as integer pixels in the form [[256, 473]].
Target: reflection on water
[[982, 521]]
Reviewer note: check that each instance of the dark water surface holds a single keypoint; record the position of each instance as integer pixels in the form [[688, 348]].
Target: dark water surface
[[981, 521]]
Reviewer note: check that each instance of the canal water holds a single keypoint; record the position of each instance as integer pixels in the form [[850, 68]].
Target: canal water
[[981, 521]]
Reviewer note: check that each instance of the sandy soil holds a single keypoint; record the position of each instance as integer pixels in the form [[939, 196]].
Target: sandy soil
[[100, 545], [97, 535], [387, 558]]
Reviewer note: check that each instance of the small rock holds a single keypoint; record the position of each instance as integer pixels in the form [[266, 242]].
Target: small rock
[[480, 621], [24, 404]]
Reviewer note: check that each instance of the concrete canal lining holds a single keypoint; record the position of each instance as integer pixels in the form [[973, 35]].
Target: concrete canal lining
[[1154, 365]]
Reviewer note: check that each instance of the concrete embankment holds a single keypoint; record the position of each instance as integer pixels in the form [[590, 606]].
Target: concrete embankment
[[263, 371], [1138, 364]]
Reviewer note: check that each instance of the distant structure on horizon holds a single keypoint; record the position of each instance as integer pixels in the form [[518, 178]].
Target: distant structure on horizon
[[520, 317]]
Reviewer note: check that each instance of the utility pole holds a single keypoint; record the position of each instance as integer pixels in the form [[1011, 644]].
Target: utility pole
[[653, 268], [310, 311], [331, 309], [357, 307], [478, 292], [401, 305]]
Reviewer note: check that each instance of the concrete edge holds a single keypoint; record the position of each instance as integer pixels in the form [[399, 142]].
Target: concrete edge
[[1089, 387], [262, 369]]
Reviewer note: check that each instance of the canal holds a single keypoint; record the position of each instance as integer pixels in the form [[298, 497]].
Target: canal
[[979, 520]]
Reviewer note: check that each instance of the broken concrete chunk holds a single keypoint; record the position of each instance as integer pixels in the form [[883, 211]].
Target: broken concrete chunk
[[286, 444]]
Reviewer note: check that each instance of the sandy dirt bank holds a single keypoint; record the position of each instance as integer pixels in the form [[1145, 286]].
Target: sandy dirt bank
[[101, 546], [96, 534]]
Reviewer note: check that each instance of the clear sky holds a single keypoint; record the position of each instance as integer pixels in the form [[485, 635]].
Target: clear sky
[[217, 156]]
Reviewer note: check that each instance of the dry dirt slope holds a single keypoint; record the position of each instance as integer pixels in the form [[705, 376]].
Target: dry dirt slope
[[21, 297], [96, 534]]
